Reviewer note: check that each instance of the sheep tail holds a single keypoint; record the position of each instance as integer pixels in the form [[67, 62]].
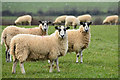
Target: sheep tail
[[3, 37], [12, 49]]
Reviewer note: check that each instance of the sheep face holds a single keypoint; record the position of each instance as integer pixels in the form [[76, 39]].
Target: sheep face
[[85, 26], [45, 25], [62, 31]]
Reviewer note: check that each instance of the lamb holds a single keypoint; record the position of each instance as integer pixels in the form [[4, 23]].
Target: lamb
[[25, 18], [71, 21], [79, 39], [26, 47], [84, 18], [111, 19], [11, 31], [60, 19]]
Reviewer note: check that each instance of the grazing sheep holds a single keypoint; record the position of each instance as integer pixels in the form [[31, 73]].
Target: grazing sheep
[[111, 19], [25, 18], [11, 31], [60, 19], [71, 21], [26, 47], [84, 18], [79, 39]]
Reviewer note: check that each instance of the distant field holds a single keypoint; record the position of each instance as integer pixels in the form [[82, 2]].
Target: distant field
[[35, 6], [100, 59]]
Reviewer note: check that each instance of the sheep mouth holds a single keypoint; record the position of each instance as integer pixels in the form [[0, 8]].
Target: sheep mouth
[[62, 36]]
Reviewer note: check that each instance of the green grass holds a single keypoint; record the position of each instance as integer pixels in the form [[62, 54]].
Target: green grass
[[100, 59]]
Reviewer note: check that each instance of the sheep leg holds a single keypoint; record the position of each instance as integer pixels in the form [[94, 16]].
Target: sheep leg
[[14, 66], [51, 62], [22, 67], [9, 56], [6, 52], [77, 56], [74, 26], [57, 64], [81, 57], [29, 23]]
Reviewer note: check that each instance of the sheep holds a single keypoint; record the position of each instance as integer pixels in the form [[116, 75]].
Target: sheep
[[60, 19], [84, 18], [79, 39], [25, 18], [111, 19], [71, 20], [27, 47], [11, 31]]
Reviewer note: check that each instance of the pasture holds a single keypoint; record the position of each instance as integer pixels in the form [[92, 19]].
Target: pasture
[[100, 59]]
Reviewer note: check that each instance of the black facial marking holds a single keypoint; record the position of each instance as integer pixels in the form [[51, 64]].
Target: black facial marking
[[40, 21]]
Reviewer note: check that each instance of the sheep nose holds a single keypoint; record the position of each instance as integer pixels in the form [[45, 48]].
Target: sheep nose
[[86, 30], [62, 36], [45, 29]]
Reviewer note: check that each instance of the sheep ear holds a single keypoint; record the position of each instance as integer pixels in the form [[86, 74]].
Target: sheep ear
[[40, 21], [89, 23], [56, 27], [53, 24], [14, 24], [67, 28], [81, 23], [49, 22]]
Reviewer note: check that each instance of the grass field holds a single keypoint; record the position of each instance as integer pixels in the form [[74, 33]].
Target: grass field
[[100, 60]]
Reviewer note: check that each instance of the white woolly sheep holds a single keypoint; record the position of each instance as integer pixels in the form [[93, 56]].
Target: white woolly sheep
[[27, 47], [25, 18], [84, 18], [71, 21], [79, 39], [60, 19], [11, 31], [111, 19]]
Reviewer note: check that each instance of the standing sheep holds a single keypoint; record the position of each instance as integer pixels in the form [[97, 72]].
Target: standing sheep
[[111, 19], [71, 21], [84, 18], [26, 47], [60, 19], [25, 18], [79, 39], [10, 31]]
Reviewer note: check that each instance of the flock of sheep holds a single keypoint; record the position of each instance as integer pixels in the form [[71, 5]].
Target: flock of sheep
[[30, 44]]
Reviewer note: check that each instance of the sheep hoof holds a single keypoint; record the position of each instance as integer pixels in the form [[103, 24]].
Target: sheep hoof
[[81, 62], [50, 71], [13, 72], [58, 70], [77, 62], [23, 73]]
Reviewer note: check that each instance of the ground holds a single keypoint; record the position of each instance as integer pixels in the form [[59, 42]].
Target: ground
[[100, 59]]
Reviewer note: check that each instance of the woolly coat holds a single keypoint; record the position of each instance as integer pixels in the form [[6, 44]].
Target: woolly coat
[[78, 39], [10, 31], [32, 47], [60, 19], [25, 18], [84, 18], [111, 19], [71, 20]]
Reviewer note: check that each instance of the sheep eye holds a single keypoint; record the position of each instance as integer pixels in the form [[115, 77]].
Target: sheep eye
[[42, 23], [64, 29], [59, 30]]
